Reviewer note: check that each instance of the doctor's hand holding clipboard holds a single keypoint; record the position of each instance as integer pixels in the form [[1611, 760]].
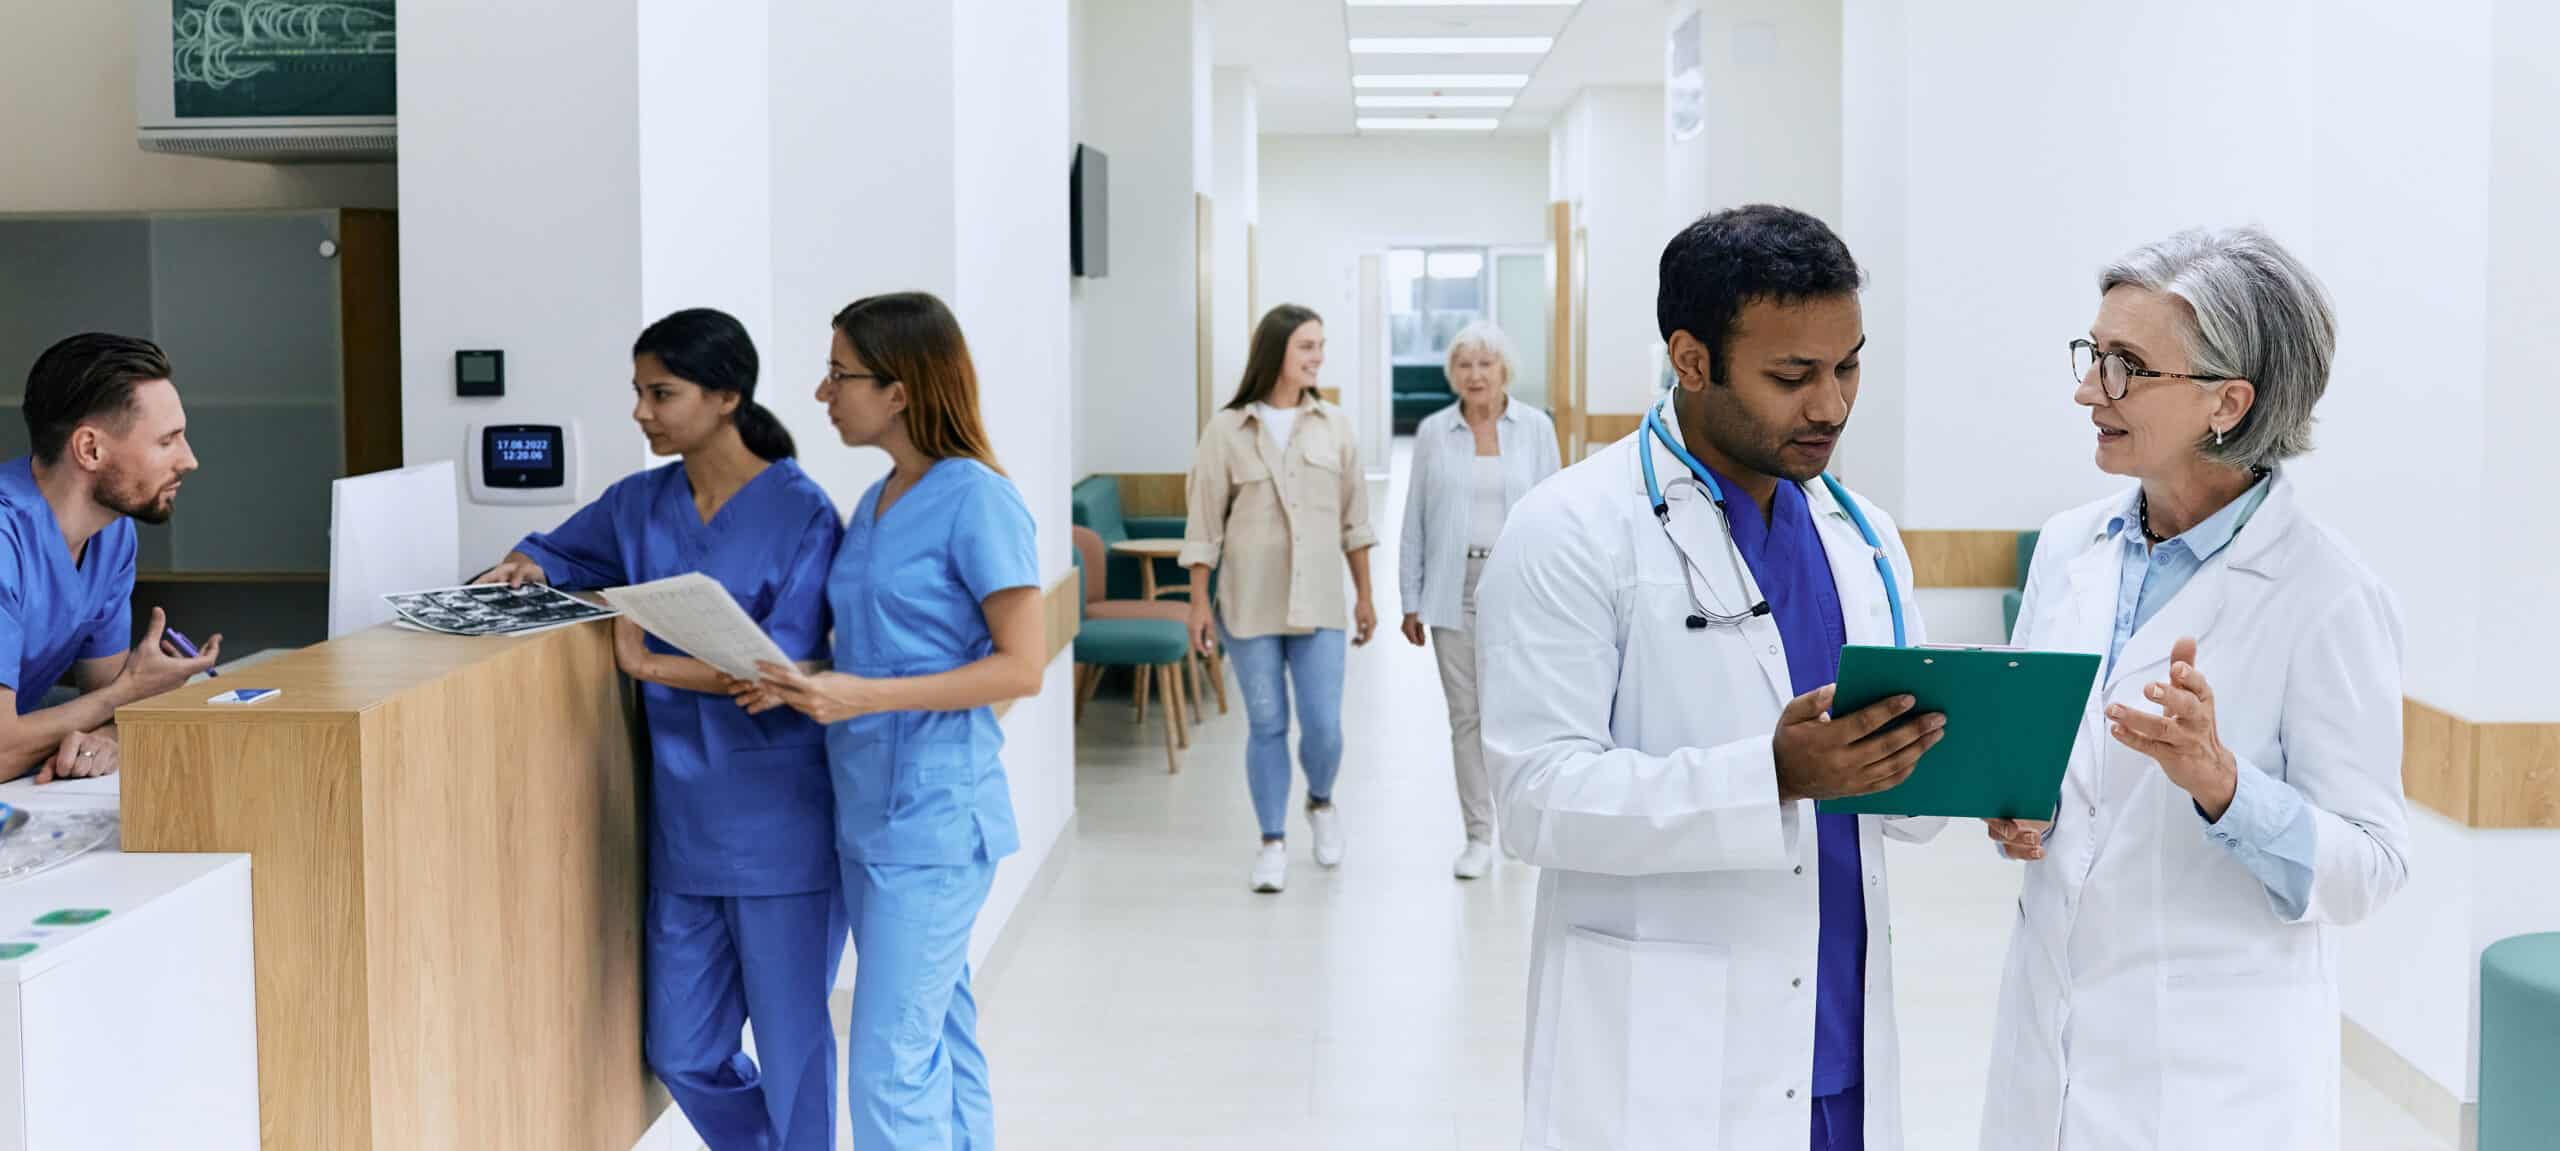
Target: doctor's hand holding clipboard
[[1821, 756]]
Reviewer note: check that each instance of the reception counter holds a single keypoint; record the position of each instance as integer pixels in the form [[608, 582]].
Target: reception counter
[[447, 840]]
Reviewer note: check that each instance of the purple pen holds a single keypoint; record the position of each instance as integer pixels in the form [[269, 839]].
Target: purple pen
[[186, 647]]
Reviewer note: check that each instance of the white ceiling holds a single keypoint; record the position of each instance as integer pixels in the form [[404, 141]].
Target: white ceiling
[[1299, 53]]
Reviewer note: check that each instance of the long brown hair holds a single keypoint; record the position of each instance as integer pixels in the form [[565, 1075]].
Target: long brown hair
[[911, 338], [1270, 350]]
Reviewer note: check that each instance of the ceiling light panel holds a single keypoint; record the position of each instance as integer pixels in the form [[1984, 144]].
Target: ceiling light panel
[[1451, 45], [1427, 123], [1432, 101], [1448, 80], [1459, 3]]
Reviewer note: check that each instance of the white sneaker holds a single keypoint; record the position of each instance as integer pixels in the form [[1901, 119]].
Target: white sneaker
[[1327, 824], [1475, 861], [1271, 868]]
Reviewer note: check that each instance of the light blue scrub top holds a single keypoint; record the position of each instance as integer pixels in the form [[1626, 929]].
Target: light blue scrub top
[[54, 612], [739, 804], [918, 787]]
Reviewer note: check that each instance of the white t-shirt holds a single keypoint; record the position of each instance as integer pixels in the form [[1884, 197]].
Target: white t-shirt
[[1278, 421]]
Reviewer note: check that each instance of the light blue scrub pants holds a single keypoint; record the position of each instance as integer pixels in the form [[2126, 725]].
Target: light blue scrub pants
[[915, 1077], [714, 964], [1266, 666]]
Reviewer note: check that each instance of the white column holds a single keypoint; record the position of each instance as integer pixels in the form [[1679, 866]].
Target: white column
[[520, 229], [1610, 156], [1237, 142], [1144, 99]]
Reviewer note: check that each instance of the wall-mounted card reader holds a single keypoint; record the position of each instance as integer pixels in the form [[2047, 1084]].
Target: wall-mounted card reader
[[522, 463]]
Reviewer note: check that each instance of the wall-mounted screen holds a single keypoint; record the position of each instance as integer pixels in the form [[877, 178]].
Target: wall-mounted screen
[[1089, 213]]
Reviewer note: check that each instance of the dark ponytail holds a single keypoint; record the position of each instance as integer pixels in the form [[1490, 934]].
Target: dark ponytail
[[710, 349], [763, 432]]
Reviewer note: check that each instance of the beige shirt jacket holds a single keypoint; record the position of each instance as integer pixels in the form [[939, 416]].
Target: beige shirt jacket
[[1277, 521]]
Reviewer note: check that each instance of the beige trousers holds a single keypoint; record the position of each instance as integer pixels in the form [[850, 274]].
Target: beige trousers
[[1456, 650]]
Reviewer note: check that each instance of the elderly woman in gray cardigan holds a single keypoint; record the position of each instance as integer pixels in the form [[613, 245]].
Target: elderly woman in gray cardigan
[[1472, 461]]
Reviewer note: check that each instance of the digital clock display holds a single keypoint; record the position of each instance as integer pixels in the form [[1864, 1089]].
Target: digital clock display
[[523, 456], [524, 451]]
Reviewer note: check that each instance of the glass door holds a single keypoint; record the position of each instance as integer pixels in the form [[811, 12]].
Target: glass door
[[1520, 289]]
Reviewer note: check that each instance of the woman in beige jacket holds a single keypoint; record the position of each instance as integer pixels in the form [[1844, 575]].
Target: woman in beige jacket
[[1276, 494]]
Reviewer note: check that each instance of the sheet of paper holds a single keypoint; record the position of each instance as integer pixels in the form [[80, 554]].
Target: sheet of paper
[[695, 615]]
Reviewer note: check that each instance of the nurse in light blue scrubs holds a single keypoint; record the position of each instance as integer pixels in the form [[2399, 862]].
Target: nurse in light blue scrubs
[[744, 920], [936, 601]]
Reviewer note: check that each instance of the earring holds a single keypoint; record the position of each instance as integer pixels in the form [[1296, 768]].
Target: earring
[[2217, 437]]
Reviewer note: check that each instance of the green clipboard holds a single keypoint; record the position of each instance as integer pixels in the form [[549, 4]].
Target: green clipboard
[[2011, 718]]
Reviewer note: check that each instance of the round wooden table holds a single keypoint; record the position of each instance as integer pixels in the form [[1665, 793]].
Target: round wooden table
[[1148, 550]]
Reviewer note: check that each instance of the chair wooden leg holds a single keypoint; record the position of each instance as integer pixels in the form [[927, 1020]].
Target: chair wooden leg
[[1181, 707], [1146, 681], [1173, 739], [1088, 681], [1218, 677]]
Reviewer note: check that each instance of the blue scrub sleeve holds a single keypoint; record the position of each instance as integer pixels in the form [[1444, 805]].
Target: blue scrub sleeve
[[584, 551], [798, 617], [993, 541], [13, 634], [112, 635]]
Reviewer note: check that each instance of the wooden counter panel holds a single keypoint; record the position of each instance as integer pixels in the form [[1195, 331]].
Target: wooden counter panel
[[290, 794]]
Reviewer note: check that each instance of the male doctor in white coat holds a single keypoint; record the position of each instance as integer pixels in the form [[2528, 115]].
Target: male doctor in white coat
[[1711, 964]]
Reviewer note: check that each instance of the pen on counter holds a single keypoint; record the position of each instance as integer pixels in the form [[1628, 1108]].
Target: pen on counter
[[186, 647]]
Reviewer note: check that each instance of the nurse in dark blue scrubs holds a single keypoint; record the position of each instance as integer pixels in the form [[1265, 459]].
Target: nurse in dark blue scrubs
[[745, 922]]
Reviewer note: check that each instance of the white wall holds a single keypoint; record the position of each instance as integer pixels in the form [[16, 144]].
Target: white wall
[[1609, 157], [1010, 96], [1773, 89], [862, 203], [520, 229], [1237, 143], [1143, 92], [706, 192], [1999, 166], [67, 123]]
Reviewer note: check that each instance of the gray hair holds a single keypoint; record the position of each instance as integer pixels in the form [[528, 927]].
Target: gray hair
[[1486, 335], [2255, 313]]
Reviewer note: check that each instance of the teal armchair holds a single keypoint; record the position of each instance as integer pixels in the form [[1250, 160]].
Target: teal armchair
[[2015, 597], [1095, 503]]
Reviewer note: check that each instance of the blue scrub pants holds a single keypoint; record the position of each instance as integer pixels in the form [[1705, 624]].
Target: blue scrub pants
[[1266, 666], [1840, 1121], [715, 963], [916, 1079]]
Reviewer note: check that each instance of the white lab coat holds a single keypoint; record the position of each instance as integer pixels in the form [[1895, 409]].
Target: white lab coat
[[2156, 996], [1672, 978]]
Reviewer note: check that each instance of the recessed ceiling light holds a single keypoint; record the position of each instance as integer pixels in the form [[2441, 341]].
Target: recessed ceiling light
[[1427, 124], [1451, 45], [1432, 101], [1484, 80]]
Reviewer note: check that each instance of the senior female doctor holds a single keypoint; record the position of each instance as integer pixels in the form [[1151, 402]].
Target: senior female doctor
[[2235, 792], [1660, 625]]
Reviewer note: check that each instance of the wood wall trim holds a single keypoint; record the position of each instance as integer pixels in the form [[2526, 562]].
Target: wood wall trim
[[1600, 429], [1154, 493], [1980, 559], [2488, 775], [1061, 617]]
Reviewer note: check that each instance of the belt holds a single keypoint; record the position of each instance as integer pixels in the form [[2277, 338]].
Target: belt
[[1479, 553]]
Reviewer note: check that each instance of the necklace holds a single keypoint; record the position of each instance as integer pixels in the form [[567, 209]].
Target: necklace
[[2142, 508]]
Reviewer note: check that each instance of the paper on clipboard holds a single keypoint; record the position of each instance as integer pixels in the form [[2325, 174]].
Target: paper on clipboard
[[695, 615]]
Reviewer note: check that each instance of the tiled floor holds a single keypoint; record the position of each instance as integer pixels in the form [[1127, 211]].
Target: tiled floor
[[1153, 1002]]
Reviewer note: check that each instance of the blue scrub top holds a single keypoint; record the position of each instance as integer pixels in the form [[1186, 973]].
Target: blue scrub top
[[739, 804], [54, 612], [1787, 560], [908, 590]]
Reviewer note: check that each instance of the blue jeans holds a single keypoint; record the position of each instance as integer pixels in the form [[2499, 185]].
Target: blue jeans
[[917, 1080], [1312, 662]]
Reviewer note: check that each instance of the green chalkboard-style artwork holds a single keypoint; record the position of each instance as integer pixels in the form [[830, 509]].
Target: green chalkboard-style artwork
[[271, 58]]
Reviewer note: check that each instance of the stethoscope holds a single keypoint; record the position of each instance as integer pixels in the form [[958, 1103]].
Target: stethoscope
[[1699, 617]]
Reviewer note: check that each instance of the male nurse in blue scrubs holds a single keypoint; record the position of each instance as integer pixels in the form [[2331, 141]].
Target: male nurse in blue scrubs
[[110, 447]]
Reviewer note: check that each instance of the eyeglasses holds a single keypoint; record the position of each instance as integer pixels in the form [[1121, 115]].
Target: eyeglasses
[[2119, 375], [835, 376]]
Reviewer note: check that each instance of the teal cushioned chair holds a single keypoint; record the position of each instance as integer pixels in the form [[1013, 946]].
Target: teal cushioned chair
[[2014, 598], [1156, 647], [1417, 391], [1095, 503], [2520, 1043]]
